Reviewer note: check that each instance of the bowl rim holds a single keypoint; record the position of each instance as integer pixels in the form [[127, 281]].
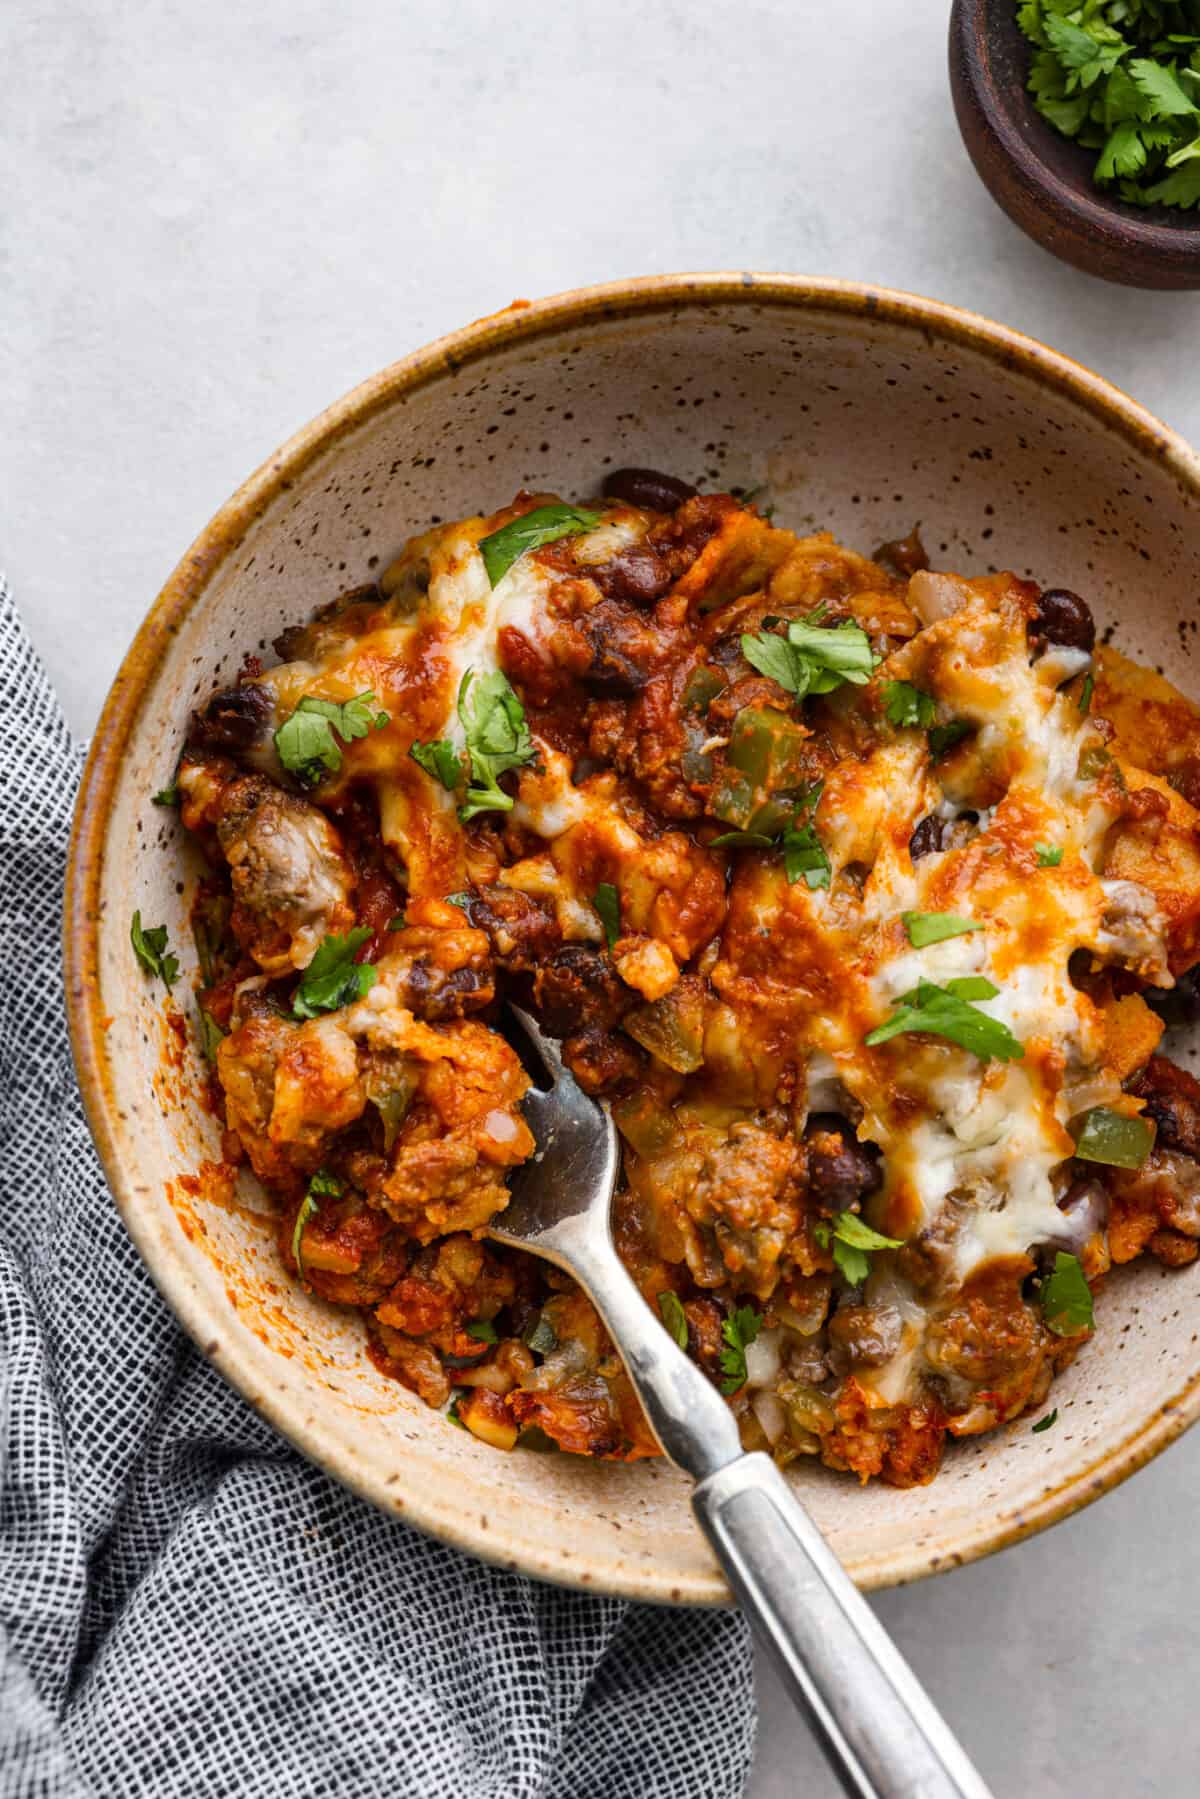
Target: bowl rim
[[522, 323], [1166, 238]]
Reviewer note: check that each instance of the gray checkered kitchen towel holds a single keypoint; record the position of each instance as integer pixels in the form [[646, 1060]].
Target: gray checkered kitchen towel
[[187, 1608]]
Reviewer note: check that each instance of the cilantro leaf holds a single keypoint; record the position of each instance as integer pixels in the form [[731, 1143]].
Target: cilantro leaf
[[306, 743], [1109, 74], [607, 902], [166, 796], [1156, 83], [804, 854], [333, 978], [498, 740], [322, 1185], [1180, 188], [739, 1330], [150, 948], [853, 1241], [545, 524], [772, 656], [483, 1331], [907, 705], [1066, 1298], [811, 657], [1049, 855], [1124, 152], [440, 759], [1046, 1422], [947, 1012], [1086, 692], [671, 1307], [935, 927]]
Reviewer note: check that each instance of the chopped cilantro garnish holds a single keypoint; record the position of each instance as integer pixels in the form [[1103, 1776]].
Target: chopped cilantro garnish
[[947, 1012], [935, 927], [166, 796], [811, 657], [804, 854], [150, 947], [498, 740], [1045, 1423], [1049, 855], [1120, 77], [607, 902], [671, 1307], [738, 1331], [545, 524], [1085, 697], [321, 1186], [439, 759], [306, 743], [333, 978], [853, 1241], [1066, 1298], [907, 705]]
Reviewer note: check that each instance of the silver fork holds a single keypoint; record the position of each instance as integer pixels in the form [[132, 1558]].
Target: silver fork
[[878, 1727]]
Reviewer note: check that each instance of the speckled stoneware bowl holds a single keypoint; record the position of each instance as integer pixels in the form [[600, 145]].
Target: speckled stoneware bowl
[[862, 410]]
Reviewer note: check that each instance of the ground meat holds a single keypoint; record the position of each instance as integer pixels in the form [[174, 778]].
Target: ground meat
[[233, 721], [1164, 1193], [578, 988], [603, 1062], [1172, 1097], [748, 1193], [623, 648], [989, 1347], [292, 882], [521, 932]]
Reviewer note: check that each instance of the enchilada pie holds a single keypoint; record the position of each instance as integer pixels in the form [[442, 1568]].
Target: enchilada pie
[[862, 893]]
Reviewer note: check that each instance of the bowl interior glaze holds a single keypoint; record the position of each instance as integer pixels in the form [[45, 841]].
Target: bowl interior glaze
[[863, 412]]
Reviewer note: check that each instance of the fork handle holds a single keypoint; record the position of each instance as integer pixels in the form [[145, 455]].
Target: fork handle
[[878, 1727], [881, 1732]]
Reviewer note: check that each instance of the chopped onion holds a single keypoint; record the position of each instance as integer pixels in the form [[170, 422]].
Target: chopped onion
[[762, 1360], [937, 596], [770, 1414]]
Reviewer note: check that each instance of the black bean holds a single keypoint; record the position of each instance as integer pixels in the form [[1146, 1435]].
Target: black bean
[[638, 574], [646, 487], [841, 1170], [927, 838], [1062, 617], [234, 719]]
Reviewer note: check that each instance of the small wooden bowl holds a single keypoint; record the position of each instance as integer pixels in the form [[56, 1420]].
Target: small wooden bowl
[[1043, 180]]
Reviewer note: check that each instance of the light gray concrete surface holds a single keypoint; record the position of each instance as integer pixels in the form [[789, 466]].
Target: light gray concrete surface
[[217, 216]]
